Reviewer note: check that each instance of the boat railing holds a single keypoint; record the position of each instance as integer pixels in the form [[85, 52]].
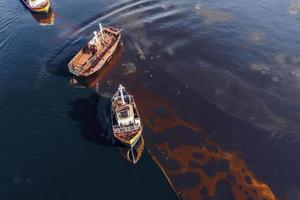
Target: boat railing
[[118, 129]]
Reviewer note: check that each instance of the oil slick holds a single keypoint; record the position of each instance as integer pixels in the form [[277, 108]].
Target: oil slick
[[212, 16], [128, 68], [257, 37], [194, 165]]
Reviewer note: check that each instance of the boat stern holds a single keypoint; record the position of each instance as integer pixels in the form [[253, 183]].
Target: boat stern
[[132, 141], [72, 71], [44, 9]]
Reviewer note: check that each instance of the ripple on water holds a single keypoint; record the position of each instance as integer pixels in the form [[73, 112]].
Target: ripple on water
[[187, 158], [133, 16], [111, 13], [11, 27]]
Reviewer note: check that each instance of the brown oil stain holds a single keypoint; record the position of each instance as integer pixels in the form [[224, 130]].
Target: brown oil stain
[[212, 16], [195, 170], [148, 106]]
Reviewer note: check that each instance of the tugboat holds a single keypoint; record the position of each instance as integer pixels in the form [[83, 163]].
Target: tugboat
[[96, 53], [126, 123], [37, 6]]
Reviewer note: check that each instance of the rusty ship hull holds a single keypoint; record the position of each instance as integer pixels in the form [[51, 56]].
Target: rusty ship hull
[[86, 62]]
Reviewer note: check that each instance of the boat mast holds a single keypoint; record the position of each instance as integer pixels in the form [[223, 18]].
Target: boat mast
[[101, 30], [96, 37], [121, 92]]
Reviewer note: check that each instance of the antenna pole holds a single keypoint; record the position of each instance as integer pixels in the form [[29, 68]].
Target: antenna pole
[[121, 91], [95, 36], [101, 30]]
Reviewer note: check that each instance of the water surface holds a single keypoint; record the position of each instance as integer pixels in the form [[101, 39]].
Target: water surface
[[216, 82]]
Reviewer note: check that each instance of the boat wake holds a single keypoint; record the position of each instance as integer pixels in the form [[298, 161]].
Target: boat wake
[[132, 16], [11, 27], [129, 15]]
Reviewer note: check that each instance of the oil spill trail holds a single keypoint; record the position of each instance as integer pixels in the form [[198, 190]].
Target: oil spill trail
[[197, 167]]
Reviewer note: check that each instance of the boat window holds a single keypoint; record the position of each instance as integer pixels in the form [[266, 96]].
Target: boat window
[[123, 114]]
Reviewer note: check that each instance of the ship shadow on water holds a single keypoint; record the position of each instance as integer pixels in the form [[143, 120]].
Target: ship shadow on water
[[92, 114]]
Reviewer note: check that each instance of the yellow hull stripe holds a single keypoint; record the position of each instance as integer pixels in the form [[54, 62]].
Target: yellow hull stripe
[[44, 9], [132, 140]]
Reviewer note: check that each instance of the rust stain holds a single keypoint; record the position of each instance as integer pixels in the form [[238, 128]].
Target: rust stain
[[99, 77]]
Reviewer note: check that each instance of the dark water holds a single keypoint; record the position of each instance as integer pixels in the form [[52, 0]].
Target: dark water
[[217, 84]]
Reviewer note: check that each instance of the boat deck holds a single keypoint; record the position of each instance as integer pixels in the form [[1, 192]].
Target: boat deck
[[84, 62], [82, 58], [38, 4], [128, 135]]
